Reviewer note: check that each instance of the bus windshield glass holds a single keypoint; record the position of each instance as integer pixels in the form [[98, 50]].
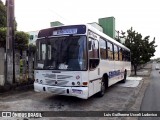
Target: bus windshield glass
[[62, 53]]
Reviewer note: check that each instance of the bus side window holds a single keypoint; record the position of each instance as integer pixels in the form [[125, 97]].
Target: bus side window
[[89, 45], [129, 56], [49, 52], [120, 54], [103, 53], [126, 55], [123, 55], [93, 49], [43, 50], [38, 50], [115, 52], [110, 50]]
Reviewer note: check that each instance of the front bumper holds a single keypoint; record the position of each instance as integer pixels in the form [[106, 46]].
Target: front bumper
[[80, 92]]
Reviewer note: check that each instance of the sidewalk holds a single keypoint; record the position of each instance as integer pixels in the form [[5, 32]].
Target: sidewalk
[[138, 95], [134, 81], [145, 71], [17, 86]]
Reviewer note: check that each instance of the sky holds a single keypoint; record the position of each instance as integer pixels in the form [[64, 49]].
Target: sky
[[142, 15]]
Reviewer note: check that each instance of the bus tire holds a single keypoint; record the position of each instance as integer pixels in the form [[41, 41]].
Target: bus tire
[[125, 76], [103, 88]]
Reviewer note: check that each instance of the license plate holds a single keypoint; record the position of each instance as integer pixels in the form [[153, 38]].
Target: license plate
[[76, 91]]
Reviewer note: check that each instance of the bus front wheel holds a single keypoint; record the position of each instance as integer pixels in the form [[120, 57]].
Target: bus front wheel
[[125, 76]]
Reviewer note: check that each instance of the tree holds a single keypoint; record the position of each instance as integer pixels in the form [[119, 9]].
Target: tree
[[148, 49], [3, 24], [3, 37], [117, 38], [120, 36], [21, 40], [21, 46], [3, 15], [32, 48], [141, 49]]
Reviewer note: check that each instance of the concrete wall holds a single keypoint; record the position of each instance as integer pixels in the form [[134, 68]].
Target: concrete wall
[[24, 69], [30, 66], [17, 66], [9, 56], [2, 66]]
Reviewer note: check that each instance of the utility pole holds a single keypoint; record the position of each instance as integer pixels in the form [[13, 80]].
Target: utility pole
[[10, 64], [118, 36]]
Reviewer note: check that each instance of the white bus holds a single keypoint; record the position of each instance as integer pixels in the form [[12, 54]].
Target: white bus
[[79, 60]]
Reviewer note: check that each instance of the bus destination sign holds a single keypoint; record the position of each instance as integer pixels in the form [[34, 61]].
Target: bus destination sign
[[62, 30], [65, 31]]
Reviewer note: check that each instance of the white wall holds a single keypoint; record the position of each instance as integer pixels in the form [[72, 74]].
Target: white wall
[[33, 37], [97, 26]]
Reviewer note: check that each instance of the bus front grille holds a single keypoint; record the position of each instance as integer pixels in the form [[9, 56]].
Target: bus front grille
[[57, 90], [55, 82]]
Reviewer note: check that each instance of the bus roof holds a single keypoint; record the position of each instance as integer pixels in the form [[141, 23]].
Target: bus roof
[[49, 32], [106, 36]]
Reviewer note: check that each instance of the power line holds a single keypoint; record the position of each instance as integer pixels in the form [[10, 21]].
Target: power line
[[51, 11]]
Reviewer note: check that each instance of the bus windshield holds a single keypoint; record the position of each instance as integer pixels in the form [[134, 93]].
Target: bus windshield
[[62, 53]]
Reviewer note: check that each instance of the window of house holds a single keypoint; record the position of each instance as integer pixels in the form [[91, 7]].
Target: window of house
[[31, 37]]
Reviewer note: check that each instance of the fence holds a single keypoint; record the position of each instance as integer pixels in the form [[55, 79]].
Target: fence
[[24, 67]]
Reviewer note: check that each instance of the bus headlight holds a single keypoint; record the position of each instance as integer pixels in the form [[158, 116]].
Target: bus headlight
[[36, 80], [78, 83], [73, 83], [41, 81]]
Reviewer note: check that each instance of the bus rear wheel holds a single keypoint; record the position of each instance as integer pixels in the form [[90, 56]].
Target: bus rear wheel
[[125, 76]]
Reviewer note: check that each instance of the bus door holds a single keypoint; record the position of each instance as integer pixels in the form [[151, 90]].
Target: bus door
[[94, 70]]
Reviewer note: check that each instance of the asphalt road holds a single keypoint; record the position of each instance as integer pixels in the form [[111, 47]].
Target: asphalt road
[[151, 100], [117, 98]]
